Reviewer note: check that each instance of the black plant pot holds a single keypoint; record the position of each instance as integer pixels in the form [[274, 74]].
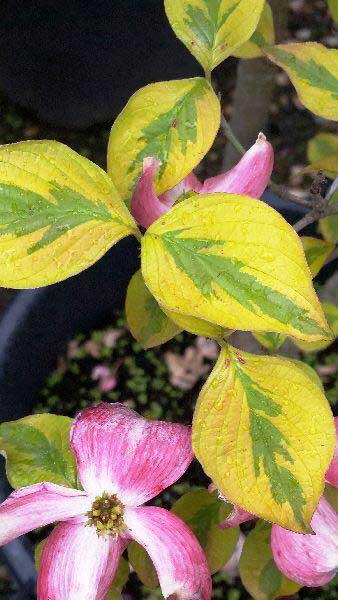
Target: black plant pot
[[77, 62], [34, 331]]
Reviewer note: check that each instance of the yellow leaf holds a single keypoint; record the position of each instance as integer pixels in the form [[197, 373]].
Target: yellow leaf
[[213, 29], [264, 433], [313, 70], [263, 36], [196, 326], [258, 570], [316, 252], [59, 213], [203, 512], [322, 153], [173, 121], [269, 340], [235, 262], [333, 6], [149, 325], [143, 565], [328, 227], [329, 165], [331, 313]]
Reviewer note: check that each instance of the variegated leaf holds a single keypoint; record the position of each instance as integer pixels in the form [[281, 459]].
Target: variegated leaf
[[263, 36], [313, 69], [331, 313], [264, 433], [149, 325], [316, 252], [213, 29], [59, 213], [197, 326], [321, 147], [173, 121], [270, 340], [198, 260]]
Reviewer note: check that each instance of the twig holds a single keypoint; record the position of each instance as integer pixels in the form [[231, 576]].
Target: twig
[[229, 134], [327, 370], [314, 216], [284, 194], [320, 206]]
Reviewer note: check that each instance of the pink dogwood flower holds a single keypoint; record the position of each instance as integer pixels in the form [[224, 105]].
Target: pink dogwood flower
[[250, 177], [308, 559], [123, 461]]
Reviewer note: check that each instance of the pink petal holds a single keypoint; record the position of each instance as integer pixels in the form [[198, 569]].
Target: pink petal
[[100, 372], [332, 472], [310, 560], [250, 176], [231, 568], [38, 505], [236, 517], [190, 182], [118, 451], [180, 563], [108, 384], [77, 564], [146, 205]]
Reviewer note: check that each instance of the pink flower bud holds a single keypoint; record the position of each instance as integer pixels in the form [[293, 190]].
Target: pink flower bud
[[250, 176]]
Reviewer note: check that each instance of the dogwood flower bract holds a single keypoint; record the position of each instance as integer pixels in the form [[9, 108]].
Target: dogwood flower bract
[[250, 177], [123, 461]]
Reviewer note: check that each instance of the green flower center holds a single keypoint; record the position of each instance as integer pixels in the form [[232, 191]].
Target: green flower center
[[107, 515]]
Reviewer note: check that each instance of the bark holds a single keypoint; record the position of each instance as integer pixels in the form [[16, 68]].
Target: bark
[[255, 85]]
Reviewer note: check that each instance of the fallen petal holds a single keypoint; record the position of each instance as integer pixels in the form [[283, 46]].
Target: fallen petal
[[310, 560], [100, 372], [118, 451], [250, 176], [332, 472], [38, 505], [77, 564], [180, 563]]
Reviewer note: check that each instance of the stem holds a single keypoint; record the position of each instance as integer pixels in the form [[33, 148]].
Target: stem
[[284, 194], [207, 73], [327, 370], [314, 216], [137, 234], [231, 136], [253, 94]]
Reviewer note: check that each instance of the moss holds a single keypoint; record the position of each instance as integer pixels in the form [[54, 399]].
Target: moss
[[143, 377]]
